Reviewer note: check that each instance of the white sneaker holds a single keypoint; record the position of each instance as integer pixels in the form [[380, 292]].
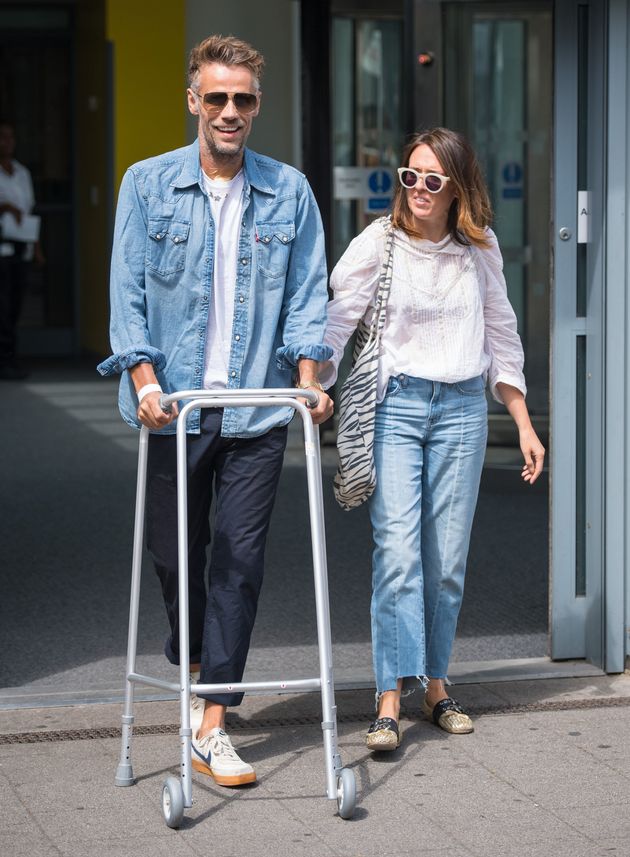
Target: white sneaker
[[214, 754], [197, 706]]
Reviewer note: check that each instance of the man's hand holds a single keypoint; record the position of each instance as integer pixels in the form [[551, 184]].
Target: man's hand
[[149, 411], [151, 414], [324, 408], [307, 379], [12, 209]]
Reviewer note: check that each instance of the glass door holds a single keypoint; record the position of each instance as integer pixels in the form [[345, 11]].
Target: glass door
[[367, 123], [367, 120], [498, 91]]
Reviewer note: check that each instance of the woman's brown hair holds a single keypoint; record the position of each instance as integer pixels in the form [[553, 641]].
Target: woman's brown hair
[[470, 212]]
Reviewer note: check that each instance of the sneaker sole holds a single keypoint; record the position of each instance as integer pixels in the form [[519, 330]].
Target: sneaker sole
[[224, 779]]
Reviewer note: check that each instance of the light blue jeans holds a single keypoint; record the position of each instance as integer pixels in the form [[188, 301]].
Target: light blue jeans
[[429, 446]]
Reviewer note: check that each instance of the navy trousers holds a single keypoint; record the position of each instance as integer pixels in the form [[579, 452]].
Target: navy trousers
[[12, 287], [241, 474]]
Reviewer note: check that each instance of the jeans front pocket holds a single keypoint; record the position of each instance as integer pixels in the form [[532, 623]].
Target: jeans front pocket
[[394, 386], [471, 386]]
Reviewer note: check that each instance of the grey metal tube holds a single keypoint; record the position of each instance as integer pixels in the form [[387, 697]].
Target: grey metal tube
[[138, 678], [289, 684], [234, 396], [124, 772], [182, 579], [320, 574]]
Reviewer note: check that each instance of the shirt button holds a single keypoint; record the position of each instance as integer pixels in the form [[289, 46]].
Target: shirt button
[[237, 338], [158, 236], [243, 261], [176, 240], [233, 374], [241, 299]]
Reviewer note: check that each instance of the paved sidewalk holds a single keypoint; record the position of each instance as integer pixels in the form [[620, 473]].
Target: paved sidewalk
[[547, 772], [66, 564]]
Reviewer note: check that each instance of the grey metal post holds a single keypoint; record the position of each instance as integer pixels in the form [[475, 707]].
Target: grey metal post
[[124, 772], [185, 732], [320, 573]]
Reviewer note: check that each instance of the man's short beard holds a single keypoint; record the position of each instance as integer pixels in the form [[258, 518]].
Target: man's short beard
[[222, 151]]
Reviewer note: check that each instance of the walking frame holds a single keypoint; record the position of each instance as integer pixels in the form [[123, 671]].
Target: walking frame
[[177, 791]]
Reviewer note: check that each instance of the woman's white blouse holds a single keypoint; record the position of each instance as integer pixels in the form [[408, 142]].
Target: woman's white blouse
[[448, 315]]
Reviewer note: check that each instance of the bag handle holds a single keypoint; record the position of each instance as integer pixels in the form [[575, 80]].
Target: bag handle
[[384, 284]]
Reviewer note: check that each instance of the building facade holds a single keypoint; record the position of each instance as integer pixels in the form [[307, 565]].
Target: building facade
[[541, 87]]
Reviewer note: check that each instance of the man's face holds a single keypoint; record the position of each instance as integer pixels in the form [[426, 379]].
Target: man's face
[[223, 132]]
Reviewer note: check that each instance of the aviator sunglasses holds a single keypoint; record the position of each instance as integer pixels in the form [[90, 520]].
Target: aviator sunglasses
[[433, 182], [214, 102]]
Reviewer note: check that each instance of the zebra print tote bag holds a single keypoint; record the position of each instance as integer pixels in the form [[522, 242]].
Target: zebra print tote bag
[[355, 479]]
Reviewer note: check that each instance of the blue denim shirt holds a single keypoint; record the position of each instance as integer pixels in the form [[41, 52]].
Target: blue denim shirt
[[162, 278]]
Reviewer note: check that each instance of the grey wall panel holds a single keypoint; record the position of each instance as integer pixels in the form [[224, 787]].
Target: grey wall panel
[[268, 27]]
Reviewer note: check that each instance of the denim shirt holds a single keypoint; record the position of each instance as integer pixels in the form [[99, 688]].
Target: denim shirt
[[162, 278]]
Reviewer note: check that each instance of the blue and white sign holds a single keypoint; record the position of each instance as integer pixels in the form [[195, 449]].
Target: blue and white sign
[[377, 204], [380, 181], [362, 182], [512, 176]]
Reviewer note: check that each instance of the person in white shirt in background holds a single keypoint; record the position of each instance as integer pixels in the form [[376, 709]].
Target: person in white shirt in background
[[449, 329], [17, 199]]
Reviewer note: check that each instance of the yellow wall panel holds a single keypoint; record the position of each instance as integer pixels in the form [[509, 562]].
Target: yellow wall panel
[[149, 97]]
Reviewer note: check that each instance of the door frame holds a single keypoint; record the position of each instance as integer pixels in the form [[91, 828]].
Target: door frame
[[578, 419]]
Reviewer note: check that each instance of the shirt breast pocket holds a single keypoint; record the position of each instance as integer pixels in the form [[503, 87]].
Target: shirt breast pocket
[[166, 245], [273, 248]]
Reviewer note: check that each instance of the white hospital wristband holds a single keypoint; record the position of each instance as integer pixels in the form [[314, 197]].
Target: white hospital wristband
[[148, 388]]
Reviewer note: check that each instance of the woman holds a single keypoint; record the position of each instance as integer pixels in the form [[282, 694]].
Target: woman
[[449, 328]]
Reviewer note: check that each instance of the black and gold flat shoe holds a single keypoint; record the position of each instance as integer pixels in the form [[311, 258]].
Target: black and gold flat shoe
[[383, 735], [449, 716]]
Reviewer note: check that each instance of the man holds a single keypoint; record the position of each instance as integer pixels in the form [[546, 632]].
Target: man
[[218, 281], [16, 200]]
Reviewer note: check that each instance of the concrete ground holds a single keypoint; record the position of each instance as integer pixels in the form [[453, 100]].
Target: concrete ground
[[66, 518], [546, 772]]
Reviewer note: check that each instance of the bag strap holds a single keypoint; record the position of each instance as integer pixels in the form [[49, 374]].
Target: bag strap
[[384, 284]]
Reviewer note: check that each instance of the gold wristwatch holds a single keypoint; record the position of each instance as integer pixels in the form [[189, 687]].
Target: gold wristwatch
[[308, 385]]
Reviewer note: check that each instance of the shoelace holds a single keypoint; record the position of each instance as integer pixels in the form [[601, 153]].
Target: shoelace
[[197, 702], [220, 745]]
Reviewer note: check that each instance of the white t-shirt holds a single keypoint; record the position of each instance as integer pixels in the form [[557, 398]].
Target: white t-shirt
[[226, 205], [16, 189]]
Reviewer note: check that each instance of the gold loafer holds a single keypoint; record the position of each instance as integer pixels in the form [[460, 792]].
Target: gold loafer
[[383, 735], [449, 716]]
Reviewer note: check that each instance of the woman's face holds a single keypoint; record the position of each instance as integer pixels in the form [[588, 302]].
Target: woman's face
[[429, 210]]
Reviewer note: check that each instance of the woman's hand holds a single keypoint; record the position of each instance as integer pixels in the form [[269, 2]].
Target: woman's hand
[[533, 453], [531, 447]]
